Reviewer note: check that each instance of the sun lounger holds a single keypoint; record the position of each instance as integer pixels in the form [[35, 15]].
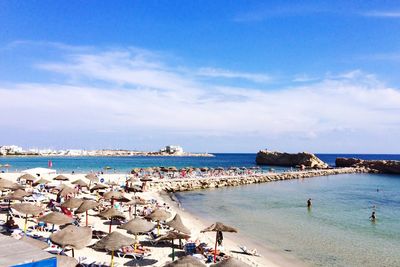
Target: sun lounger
[[247, 251], [135, 255]]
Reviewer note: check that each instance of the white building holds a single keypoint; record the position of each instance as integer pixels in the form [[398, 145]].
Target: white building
[[173, 149], [7, 150]]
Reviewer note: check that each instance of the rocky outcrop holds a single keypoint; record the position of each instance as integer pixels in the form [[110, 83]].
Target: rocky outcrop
[[308, 160], [382, 166], [179, 184]]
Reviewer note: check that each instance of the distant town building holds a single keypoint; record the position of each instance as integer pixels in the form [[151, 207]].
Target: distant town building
[[177, 150], [10, 150]]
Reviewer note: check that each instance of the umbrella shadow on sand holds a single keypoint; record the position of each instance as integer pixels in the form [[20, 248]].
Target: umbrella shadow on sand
[[178, 254], [114, 222], [143, 262], [158, 244]]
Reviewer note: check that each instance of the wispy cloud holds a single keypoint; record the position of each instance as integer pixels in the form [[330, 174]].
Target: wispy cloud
[[382, 14], [131, 93], [221, 73]]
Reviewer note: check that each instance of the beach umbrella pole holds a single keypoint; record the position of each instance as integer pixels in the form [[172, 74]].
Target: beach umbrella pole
[[173, 251], [109, 229], [135, 211], [87, 220], [73, 253], [112, 258], [26, 222], [215, 250]]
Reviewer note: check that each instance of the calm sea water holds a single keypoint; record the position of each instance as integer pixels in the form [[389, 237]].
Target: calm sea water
[[125, 164], [335, 232]]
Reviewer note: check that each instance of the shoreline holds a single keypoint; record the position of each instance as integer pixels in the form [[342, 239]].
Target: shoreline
[[270, 257]]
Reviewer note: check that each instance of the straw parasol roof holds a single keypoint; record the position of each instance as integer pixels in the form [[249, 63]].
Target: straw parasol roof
[[186, 261], [80, 182], [177, 224], [76, 237], [65, 190], [218, 226], [138, 225], [28, 177], [65, 261], [41, 181], [112, 213], [171, 235], [72, 203], [92, 177], [7, 184], [61, 178], [87, 205], [98, 186], [34, 242], [159, 215], [112, 194], [230, 262], [56, 218], [27, 208], [136, 202], [18, 194], [113, 241]]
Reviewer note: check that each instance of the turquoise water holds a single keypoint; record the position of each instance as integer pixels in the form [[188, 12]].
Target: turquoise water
[[125, 164], [335, 232]]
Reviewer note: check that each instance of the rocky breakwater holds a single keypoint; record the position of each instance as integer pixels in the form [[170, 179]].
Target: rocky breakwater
[[381, 166], [303, 159], [179, 184]]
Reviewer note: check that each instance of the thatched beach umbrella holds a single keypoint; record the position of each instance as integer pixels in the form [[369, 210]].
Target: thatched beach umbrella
[[80, 182], [41, 181], [98, 187], [34, 242], [92, 177], [27, 177], [134, 202], [72, 203], [172, 236], [113, 241], [18, 194], [65, 261], [85, 206], [7, 184], [72, 236], [137, 226], [186, 261], [112, 213], [27, 208], [61, 178], [56, 218], [159, 215], [218, 227], [177, 224], [66, 190], [230, 262]]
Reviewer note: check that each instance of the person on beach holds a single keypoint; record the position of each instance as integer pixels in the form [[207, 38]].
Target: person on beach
[[220, 238], [373, 217], [309, 203]]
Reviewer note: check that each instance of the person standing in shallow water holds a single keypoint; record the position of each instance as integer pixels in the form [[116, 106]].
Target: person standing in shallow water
[[373, 217], [309, 203]]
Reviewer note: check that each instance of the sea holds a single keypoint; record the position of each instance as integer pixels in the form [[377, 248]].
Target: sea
[[336, 231]]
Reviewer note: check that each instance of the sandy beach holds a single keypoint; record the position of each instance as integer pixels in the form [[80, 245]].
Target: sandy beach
[[161, 254]]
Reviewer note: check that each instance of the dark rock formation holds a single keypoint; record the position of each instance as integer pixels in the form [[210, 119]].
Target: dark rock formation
[[305, 159], [382, 166]]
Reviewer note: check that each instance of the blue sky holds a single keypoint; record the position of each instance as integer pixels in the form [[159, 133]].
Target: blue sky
[[223, 76]]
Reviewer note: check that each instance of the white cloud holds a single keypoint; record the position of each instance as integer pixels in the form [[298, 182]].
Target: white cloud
[[382, 14], [125, 92], [221, 73]]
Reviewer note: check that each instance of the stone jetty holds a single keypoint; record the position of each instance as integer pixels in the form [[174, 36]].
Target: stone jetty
[[381, 166], [183, 184]]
